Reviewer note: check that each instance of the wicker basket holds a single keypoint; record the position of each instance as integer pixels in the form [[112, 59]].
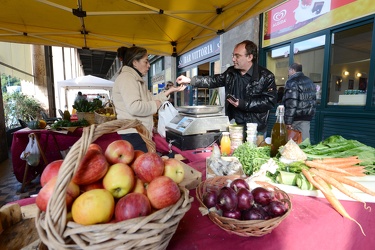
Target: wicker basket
[[148, 232], [88, 116], [243, 228], [101, 114]]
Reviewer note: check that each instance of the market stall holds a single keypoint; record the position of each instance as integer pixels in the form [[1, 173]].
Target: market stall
[[311, 222]]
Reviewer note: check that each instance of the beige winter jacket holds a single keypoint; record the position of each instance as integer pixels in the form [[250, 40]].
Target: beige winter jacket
[[133, 100]]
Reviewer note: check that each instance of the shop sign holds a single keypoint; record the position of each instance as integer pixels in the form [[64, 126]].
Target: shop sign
[[293, 15], [200, 53]]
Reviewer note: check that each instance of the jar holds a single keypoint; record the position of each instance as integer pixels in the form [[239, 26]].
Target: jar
[[236, 132], [225, 144], [235, 143]]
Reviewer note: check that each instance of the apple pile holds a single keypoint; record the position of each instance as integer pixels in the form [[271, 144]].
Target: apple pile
[[115, 185]]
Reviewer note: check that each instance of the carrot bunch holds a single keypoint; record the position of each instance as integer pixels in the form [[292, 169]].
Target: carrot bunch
[[334, 171]]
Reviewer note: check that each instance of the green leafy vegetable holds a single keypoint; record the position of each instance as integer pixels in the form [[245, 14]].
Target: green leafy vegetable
[[336, 146], [65, 123], [251, 157]]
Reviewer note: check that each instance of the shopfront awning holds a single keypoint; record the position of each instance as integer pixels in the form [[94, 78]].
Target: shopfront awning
[[164, 27]]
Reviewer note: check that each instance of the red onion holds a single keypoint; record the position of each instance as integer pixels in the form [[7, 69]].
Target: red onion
[[227, 199], [239, 183], [245, 199], [276, 208], [252, 214], [262, 196], [235, 214], [209, 198]]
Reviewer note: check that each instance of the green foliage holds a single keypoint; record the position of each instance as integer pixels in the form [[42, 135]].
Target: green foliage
[[86, 106], [19, 106], [8, 80]]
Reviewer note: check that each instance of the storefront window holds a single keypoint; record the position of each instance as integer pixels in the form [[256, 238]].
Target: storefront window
[[278, 63], [310, 54], [350, 65]]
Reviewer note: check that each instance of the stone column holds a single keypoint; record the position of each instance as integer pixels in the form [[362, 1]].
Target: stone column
[[40, 75]]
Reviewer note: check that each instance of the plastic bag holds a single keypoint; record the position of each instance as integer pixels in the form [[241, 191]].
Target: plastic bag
[[31, 154], [166, 113]]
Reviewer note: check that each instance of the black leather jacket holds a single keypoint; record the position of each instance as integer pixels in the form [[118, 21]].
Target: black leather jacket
[[260, 94], [299, 98]]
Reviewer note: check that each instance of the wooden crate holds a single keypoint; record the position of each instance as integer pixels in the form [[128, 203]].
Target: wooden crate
[[17, 228]]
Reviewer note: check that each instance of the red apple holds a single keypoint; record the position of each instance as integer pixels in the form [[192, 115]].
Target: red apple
[[148, 166], [137, 153], [93, 167], [163, 192], [95, 146], [119, 180], [51, 170], [131, 206], [46, 192], [139, 187], [174, 169], [119, 151], [95, 185]]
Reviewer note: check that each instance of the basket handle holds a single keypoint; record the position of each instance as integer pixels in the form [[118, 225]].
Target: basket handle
[[55, 220]]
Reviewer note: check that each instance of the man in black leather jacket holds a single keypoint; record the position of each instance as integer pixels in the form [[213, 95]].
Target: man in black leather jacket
[[299, 100], [252, 86]]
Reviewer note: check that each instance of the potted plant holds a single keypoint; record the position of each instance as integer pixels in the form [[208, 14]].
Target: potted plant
[[85, 109]]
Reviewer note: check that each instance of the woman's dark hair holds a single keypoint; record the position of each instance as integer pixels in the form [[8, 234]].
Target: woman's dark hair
[[129, 55], [251, 49]]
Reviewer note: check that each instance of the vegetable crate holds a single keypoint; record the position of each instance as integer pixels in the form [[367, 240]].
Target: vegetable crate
[[244, 228], [88, 116], [149, 232]]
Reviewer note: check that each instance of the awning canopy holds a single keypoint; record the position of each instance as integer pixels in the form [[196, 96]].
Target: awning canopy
[[88, 81], [164, 27]]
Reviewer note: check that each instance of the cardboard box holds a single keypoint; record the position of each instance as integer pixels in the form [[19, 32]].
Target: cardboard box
[[192, 177]]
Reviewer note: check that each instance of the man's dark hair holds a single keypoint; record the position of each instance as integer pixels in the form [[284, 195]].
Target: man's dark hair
[[251, 49], [296, 66]]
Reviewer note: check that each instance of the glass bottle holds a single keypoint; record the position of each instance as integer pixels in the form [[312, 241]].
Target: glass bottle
[[279, 134], [225, 144], [66, 114]]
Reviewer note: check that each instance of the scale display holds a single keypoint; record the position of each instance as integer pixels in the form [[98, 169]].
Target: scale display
[[187, 125]]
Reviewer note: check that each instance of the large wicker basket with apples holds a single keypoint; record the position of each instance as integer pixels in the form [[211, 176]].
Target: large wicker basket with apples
[[153, 231]]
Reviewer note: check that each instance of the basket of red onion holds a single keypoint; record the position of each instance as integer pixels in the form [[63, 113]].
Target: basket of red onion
[[242, 210]]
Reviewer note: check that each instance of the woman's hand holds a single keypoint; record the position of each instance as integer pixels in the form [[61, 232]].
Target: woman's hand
[[175, 89], [183, 80]]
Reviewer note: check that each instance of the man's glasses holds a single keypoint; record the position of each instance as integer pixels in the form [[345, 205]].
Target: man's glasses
[[238, 55]]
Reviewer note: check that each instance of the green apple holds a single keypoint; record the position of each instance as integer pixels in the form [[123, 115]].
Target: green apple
[[174, 169], [119, 180]]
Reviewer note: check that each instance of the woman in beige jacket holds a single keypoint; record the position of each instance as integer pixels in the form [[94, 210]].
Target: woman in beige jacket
[[131, 96]]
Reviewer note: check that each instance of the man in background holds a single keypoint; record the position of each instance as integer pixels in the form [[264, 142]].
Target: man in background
[[249, 87], [299, 100]]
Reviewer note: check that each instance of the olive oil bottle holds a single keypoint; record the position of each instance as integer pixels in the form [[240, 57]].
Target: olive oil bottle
[[66, 114], [279, 134]]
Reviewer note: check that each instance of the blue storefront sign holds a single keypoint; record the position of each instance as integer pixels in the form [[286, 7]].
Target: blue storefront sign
[[200, 53]]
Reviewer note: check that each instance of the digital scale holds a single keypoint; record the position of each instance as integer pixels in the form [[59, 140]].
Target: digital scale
[[191, 131]]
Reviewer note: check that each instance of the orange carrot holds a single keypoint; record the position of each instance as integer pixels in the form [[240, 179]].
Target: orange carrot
[[340, 162], [337, 160], [309, 177], [336, 204], [338, 185], [324, 166], [352, 173], [352, 183]]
